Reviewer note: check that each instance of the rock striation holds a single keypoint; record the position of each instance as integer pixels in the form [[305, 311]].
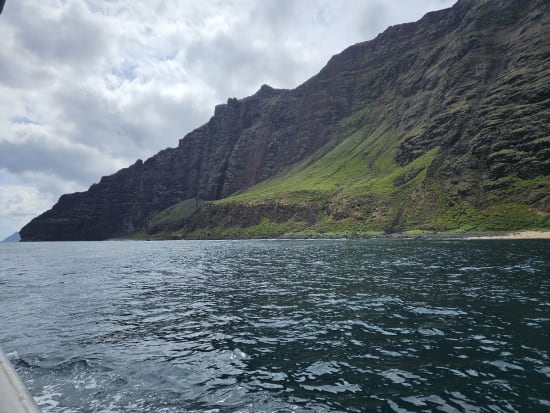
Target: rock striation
[[471, 82]]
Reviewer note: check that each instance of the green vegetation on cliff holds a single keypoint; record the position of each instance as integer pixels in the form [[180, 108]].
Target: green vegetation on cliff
[[355, 189], [448, 132]]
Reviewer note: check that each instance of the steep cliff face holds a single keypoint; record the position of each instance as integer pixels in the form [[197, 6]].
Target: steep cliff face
[[245, 142], [452, 109]]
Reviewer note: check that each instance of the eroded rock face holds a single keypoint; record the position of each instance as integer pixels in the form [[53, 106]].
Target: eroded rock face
[[473, 80]]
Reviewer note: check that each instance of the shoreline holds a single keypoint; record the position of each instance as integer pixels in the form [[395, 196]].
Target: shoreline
[[514, 235], [497, 235]]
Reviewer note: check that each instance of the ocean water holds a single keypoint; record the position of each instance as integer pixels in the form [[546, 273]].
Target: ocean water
[[280, 325]]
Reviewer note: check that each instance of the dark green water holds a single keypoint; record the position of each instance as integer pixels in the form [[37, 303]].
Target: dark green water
[[301, 326]]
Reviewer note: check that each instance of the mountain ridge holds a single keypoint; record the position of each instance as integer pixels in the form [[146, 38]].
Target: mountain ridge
[[450, 109]]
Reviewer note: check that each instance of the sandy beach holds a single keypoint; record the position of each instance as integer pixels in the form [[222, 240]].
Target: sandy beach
[[516, 235]]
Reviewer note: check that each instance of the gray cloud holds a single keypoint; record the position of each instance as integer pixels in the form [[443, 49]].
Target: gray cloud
[[58, 158], [67, 34], [87, 87]]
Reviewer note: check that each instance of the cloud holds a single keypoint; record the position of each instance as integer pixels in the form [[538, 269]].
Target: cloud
[[88, 87], [20, 201], [40, 153], [18, 205], [65, 34]]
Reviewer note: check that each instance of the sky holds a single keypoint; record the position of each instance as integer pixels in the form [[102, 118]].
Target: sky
[[89, 86]]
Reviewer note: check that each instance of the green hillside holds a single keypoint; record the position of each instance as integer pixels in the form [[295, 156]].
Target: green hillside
[[357, 188]]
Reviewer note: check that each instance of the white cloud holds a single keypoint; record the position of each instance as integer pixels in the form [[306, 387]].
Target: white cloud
[[21, 201], [18, 205], [88, 87]]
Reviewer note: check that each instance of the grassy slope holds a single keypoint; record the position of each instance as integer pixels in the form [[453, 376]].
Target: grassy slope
[[358, 189]]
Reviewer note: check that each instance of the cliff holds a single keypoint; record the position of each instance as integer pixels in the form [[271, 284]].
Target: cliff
[[436, 125]]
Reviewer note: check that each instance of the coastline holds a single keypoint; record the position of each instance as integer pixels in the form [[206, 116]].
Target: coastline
[[497, 235], [494, 235], [514, 235]]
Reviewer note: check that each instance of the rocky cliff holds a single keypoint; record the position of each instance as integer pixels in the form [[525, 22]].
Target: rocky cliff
[[436, 125]]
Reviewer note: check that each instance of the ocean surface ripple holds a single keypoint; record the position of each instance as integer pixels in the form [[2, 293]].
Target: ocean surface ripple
[[280, 325]]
